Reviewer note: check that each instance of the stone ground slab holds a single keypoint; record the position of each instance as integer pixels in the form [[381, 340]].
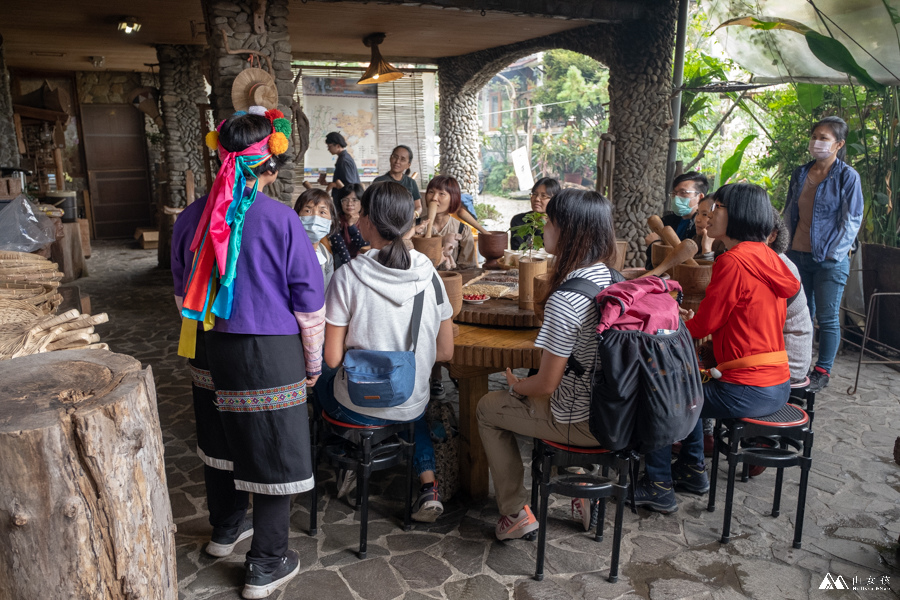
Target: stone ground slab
[[851, 527]]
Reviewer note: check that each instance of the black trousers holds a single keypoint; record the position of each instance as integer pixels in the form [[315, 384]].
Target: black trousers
[[271, 517]]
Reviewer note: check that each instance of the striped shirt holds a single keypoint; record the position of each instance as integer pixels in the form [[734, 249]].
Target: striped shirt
[[569, 329]]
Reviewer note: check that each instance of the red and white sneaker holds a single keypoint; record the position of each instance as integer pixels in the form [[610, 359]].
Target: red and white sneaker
[[582, 511], [516, 526]]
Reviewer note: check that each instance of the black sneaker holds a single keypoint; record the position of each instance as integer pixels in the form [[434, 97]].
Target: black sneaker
[[428, 506], [655, 495], [437, 390], [223, 541], [259, 585], [690, 478], [818, 380]]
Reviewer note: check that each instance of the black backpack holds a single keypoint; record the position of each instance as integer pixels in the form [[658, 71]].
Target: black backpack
[[646, 390]]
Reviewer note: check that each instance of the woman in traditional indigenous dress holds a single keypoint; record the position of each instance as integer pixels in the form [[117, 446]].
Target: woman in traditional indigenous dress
[[250, 289]]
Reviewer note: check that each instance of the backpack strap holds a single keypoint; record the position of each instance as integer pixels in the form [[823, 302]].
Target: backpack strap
[[581, 286], [418, 305], [588, 289], [462, 227]]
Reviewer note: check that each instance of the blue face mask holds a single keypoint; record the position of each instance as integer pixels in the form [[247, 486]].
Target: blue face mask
[[681, 206], [316, 227]]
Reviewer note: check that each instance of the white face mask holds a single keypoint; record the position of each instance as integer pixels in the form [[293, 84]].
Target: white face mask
[[316, 227], [820, 150]]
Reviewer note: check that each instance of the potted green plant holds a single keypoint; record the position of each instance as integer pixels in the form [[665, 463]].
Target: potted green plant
[[531, 231]]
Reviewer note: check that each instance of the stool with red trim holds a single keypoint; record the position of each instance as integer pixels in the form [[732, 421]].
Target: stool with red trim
[[365, 449], [800, 396], [792, 438], [546, 455]]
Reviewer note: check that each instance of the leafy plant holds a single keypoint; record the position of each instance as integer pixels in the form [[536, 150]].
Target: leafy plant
[[531, 231], [486, 212], [733, 163]]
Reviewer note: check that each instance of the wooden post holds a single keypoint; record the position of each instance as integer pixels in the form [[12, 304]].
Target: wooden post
[[82, 480], [60, 172]]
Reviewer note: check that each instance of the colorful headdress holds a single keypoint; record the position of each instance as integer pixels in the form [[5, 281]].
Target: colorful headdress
[[209, 290]]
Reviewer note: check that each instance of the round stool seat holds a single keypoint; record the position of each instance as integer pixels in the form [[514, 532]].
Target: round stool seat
[[578, 449], [801, 385], [788, 415], [335, 422]]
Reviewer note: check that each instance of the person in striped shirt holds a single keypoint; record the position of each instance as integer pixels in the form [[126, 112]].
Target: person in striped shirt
[[554, 403]]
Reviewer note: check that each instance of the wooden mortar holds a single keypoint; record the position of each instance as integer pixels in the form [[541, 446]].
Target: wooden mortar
[[658, 253], [491, 247], [430, 247], [453, 284], [529, 268], [617, 261], [541, 293], [693, 280]]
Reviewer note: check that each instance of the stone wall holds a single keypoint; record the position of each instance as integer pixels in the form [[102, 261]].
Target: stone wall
[[639, 56], [105, 87], [9, 148], [235, 17], [182, 87]]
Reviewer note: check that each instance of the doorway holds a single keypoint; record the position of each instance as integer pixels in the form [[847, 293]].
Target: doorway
[[115, 151]]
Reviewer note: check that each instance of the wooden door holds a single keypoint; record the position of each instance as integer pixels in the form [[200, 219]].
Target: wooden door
[[115, 150]]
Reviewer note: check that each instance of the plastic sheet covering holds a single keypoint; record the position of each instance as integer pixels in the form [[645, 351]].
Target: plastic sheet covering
[[24, 229], [780, 56]]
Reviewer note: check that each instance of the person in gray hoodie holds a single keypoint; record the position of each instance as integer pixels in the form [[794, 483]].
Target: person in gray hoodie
[[798, 327], [369, 305]]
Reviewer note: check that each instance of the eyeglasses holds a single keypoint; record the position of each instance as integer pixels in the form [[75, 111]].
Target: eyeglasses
[[350, 201], [673, 194], [541, 196], [716, 205]]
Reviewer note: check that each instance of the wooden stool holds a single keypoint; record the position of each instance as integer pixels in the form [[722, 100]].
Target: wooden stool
[[363, 449], [545, 456], [789, 430]]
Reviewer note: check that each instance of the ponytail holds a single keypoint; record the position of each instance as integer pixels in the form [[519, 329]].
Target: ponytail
[[390, 209], [395, 255]]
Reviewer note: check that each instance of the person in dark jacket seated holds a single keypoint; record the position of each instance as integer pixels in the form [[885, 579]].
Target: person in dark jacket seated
[[541, 193], [687, 192]]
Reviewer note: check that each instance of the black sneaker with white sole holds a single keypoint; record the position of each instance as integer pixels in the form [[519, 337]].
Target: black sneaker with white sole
[[259, 585], [223, 541], [428, 506]]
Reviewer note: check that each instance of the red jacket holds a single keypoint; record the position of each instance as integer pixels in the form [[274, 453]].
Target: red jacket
[[744, 311]]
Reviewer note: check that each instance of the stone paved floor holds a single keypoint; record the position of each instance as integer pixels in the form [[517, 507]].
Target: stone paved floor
[[851, 528]]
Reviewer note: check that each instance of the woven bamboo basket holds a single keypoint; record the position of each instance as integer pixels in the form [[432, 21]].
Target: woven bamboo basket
[[17, 311], [20, 256]]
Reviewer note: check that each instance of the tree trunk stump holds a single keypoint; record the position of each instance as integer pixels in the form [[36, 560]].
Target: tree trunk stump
[[84, 507]]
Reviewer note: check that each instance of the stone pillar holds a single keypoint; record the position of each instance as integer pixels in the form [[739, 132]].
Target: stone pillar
[[182, 87], [236, 18], [459, 131], [9, 149], [640, 115]]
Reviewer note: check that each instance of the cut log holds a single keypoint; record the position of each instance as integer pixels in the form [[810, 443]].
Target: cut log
[[84, 507]]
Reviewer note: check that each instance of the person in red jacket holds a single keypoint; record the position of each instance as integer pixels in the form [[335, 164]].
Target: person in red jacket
[[744, 311]]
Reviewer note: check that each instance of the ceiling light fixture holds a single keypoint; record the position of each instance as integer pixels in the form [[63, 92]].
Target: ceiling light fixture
[[379, 70], [129, 25]]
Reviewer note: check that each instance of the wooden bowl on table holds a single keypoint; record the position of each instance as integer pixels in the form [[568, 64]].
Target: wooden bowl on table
[[491, 247], [430, 247]]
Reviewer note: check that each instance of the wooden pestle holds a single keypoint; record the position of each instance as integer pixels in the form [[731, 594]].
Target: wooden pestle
[[680, 254], [668, 236], [466, 217], [432, 213]]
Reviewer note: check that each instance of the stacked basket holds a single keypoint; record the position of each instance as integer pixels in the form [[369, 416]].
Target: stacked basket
[[28, 297], [29, 278]]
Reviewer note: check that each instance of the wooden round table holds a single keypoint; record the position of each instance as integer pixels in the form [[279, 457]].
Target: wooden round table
[[478, 352]]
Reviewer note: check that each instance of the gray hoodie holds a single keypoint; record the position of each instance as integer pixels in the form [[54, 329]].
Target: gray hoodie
[[375, 303], [798, 330]]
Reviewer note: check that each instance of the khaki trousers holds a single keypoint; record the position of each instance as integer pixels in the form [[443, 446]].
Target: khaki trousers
[[500, 417]]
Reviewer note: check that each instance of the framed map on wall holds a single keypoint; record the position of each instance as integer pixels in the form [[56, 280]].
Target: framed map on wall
[[338, 104]]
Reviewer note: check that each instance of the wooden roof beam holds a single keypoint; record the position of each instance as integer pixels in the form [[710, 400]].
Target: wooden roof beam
[[598, 11]]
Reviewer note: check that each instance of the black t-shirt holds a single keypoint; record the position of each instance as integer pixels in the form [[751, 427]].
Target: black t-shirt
[[345, 170], [408, 182]]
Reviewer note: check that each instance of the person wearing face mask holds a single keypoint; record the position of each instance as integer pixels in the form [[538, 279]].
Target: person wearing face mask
[[319, 220], [688, 190], [824, 209]]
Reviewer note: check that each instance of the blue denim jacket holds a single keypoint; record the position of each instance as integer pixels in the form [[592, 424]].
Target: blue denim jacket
[[837, 210]]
